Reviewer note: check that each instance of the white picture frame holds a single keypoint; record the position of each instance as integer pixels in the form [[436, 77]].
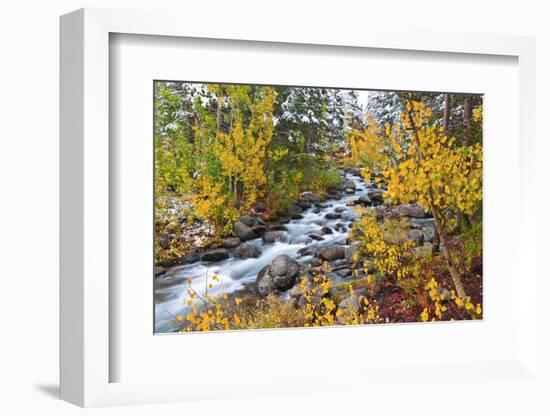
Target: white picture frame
[[86, 353]]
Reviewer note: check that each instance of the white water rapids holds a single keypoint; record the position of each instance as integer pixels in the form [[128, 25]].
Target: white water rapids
[[234, 273]]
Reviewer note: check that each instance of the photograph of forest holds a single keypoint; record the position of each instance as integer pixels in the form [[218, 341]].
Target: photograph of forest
[[281, 206]]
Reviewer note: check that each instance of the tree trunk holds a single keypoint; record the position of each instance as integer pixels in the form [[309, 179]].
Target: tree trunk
[[468, 115], [308, 165], [455, 275], [446, 121], [446, 113], [467, 122]]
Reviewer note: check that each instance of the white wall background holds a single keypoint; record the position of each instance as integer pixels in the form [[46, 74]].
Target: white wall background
[[29, 183]]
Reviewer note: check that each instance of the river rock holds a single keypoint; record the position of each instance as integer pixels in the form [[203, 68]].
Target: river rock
[[248, 220], [338, 264], [164, 241], [305, 251], [333, 216], [417, 236], [159, 270], [341, 227], [272, 236], [296, 291], [350, 184], [315, 262], [344, 272], [277, 227], [350, 252], [331, 253], [280, 276], [354, 302], [340, 209], [326, 230], [259, 229], [412, 211], [247, 251], [315, 236], [230, 242], [429, 234], [311, 197], [349, 191], [297, 216], [243, 231], [218, 254]]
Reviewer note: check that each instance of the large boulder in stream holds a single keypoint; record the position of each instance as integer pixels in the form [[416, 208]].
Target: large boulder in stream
[[279, 276], [218, 254], [247, 251], [243, 231], [332, 253]]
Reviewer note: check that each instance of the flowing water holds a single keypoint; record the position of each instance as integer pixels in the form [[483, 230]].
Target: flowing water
[[235, 274]]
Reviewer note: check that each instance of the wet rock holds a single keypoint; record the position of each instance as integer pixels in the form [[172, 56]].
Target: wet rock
[[305, 251], [259, 229], [277, 227], [333, 216], [315, 236], [230, 242], [301, 239], [340, 209], [326, 230], [348, 216], [280, 276], [350, 185], [297, 216], [272, 236], [331, 253], [159, 270], [218, 254], [341, 227], [349, 191], [243, 231], [247, 251]]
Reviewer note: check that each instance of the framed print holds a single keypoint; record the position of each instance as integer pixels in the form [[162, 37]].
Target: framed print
[[242, 206]]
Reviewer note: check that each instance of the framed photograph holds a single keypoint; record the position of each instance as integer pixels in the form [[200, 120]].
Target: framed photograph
[[280, 210]]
